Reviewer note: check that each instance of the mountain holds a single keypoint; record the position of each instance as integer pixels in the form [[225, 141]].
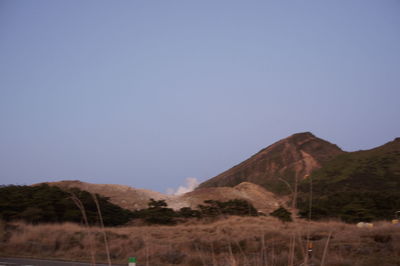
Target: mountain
[[280, 164], [352, 186], [356, 186], [134, 199]]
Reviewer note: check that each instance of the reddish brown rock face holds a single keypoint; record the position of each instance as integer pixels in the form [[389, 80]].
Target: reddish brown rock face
[[278, 165]]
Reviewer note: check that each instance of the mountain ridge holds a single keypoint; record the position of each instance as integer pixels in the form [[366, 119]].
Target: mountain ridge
[[356, 186], [279, 164], [290, 159]]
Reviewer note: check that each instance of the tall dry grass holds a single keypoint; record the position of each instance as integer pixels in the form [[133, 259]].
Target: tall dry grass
[[252, 241], [82, 209], [96, 201]]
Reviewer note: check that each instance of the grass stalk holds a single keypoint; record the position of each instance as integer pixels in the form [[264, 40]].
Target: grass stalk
[[263, 255], [102, 228], [214, 261], [308, 243], [146, 250], [326, 249], [232, 260], [81, 207], [292, 246], [201, 257]]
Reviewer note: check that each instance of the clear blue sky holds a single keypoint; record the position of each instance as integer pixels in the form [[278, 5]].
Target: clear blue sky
[[148, 93]]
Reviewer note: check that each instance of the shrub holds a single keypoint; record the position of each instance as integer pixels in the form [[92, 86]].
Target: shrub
[[282, 214], [230, 207], [157, 213], [187, 212]]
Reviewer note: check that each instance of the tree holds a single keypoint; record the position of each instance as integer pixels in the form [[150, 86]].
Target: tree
[[156, 204], [157, 213], [44, 203], [282, 214], [230, 207]]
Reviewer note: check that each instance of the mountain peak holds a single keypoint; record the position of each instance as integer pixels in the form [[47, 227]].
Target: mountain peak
[[280, 163], [300, 138], [306, 134]]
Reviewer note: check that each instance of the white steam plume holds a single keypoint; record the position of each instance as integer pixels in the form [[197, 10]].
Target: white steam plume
[[190, 184]]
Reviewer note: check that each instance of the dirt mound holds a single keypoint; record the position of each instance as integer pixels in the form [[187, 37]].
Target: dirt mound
[[261, 199]]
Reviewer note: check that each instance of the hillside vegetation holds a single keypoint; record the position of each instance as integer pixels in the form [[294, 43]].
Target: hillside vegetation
[[49, 204], [38, 204], [356, 186]]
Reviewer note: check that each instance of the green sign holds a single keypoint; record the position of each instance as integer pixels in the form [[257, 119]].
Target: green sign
[[132, 260]]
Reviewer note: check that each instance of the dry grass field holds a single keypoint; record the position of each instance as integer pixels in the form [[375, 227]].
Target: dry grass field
[[232, 241]]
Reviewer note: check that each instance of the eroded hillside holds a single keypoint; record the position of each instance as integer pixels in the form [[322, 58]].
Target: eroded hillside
[[279, 164], [133, 199]]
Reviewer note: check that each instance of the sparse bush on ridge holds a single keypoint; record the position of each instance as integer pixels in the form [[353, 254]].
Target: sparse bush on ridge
[[187, 212], [230, 207], [159, 213]]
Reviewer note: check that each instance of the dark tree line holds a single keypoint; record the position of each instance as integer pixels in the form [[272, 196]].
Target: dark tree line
[[50, 204], [159, 213], [45, 204]]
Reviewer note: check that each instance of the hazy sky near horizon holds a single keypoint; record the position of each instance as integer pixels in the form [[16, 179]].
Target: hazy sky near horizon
[[149, 93]]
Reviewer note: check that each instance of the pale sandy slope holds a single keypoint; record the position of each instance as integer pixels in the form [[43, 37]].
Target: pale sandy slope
[[133, 198]]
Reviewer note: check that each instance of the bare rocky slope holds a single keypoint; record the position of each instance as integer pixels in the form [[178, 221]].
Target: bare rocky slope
[[124, 196], [261, 199], [133, 199], [280, 164]]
